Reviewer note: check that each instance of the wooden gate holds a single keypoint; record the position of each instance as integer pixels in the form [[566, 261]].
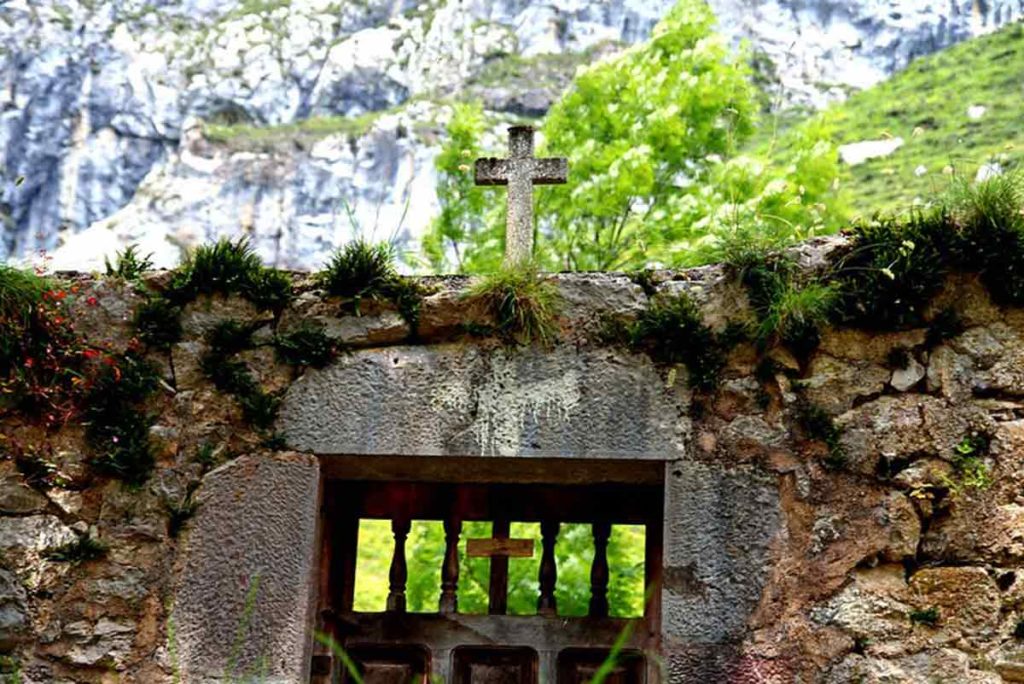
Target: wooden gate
[[448, 646]]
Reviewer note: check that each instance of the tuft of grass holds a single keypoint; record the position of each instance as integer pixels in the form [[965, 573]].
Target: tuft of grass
[[234, 377], [671, 330], [206, 456], [158, 323], [359, 269], [38, 472], [363, 270], [522, 303], [82, 550], [307, 345], [128, 265], [245, 136], [895, 267], [926, 616], [229, 268], [988, 219], [116, 428], [817, 424]]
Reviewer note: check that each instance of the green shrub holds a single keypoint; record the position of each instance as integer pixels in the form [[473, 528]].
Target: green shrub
[[990, 223], [230, 268], [234, 377], [671, 330], [893, 269], [158, 323], [128, 265], [307, 345], [521, 302], [116, 428], [361, 270]]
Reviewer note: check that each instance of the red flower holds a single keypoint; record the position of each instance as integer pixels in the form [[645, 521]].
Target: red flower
[[92, 301], [90, 353], [30, 362]]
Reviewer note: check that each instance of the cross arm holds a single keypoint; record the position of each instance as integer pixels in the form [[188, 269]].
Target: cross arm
[[491, 171], [550, 171]]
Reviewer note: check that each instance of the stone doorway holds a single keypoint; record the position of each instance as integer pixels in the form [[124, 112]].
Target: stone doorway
[[449, 645]]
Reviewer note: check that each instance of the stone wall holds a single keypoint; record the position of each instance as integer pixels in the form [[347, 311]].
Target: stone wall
[[832, 519]]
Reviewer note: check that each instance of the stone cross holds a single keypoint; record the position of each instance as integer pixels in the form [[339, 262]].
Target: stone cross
[[520, 172]]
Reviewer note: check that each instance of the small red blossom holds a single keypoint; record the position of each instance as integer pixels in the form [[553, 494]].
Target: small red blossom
[[92, 301], [90, 353], [30, 362]]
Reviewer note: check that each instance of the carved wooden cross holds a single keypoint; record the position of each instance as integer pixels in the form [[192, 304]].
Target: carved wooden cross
[[499, 548], [520, 172]]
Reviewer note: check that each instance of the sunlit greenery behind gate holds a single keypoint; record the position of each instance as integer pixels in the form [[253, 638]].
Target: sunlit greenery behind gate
[[574, 553]]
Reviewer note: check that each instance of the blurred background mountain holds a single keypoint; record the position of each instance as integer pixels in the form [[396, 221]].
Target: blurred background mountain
[[302, 123]]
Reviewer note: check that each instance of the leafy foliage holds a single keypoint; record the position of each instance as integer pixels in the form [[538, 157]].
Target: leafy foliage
[[158, 323], [230, 268], [233, 376], [671, 330], [128, 265], [40, 355], [457, 235], [117, 429], [788, 310], [307, 345], [651, 135], [521, 302]]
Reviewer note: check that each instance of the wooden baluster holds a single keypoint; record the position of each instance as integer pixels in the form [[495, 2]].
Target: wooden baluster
[[449, 602], [599, 570], [399, 573], [546, 604]]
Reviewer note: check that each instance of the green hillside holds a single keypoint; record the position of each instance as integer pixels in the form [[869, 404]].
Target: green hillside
[[927, 106]]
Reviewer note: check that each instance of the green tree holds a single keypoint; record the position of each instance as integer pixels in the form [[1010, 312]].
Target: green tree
[[458, 237], [655, 179], [639, 130]]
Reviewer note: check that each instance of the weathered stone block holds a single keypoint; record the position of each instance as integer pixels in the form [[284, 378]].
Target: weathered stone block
[[716, 565], [248, 570], [458, 400]]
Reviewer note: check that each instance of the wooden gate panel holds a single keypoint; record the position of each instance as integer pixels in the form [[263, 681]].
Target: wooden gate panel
[[494, 665]]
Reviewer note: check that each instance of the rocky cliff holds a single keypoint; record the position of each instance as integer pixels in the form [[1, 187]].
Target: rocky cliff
[[303, 122]]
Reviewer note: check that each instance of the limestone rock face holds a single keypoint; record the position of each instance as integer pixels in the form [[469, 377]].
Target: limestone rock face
[[102, 104]]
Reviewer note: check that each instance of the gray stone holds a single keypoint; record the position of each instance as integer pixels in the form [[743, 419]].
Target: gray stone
[[19, 499], [13, 609], [25, 541], [248, 567], [904, 379], [834, 384], [457, 400], [716, 566]]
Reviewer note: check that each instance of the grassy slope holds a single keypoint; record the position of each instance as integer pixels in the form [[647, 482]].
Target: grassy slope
[[926, 105]]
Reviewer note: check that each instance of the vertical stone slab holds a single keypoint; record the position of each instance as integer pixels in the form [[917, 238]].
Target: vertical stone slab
[[244, 598], [719, 527]]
